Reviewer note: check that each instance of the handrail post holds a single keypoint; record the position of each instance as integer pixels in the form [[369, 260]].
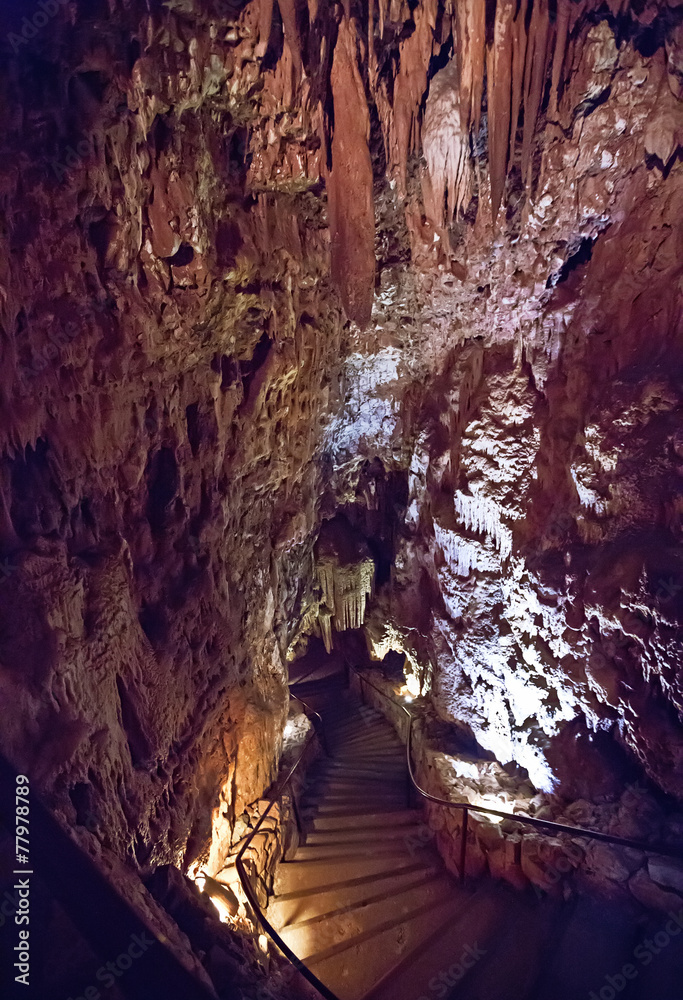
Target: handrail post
[[463, 845]]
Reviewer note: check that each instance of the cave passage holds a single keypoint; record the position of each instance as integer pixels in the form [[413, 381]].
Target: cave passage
[[341, 518]]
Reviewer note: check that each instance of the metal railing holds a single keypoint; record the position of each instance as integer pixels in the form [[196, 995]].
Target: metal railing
[[465, 807], [468, 807], [249, 892]]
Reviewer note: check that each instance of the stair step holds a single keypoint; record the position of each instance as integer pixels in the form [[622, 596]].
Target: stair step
[[449, 943], [364, 794], [354, 963], [394, 762], [368, 848], [361, 835], [397, 890], [357, 781], [356, 809], [355, 734], [298, 882], [354, 924], [381, 740], [392, 773], [343, 819]]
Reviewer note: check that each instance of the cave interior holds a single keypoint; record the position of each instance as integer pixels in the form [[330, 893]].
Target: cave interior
[[341, 499]]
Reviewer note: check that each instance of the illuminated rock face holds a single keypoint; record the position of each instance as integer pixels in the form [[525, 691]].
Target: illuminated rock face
[[189, 209], [534, 399]]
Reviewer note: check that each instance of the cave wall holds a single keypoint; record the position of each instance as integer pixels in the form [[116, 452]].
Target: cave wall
[[168, 343], [172, 428]]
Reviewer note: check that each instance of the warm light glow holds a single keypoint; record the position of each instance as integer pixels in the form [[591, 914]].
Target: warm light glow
[[202, 882], [492, 802], [263, 943], [413, 685], [405, 693], [194, 870]]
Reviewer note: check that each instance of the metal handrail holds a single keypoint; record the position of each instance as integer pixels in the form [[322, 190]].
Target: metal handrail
[[241, 870], [311, 714], [468, 807]]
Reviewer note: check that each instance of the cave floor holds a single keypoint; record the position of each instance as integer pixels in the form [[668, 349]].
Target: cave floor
[[369, 906]]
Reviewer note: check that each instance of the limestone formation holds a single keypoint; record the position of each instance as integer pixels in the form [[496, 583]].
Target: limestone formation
[[359, 322]]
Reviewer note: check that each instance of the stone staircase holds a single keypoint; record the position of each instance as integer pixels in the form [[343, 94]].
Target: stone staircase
[[369, 907]]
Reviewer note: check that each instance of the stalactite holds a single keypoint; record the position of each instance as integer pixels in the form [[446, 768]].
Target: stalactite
[[372, 58], [265, 23], [445, 141], [409, 88], [345, 570], [534, 76], [382, 17], [470, 16], [483, 516], [563, 10], [499, 79], [345, 590], [325, 620], [349, 186], [288, 12], [518, 55], [460, 553]]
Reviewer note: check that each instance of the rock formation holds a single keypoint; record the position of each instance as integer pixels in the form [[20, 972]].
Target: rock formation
[[401, 278]]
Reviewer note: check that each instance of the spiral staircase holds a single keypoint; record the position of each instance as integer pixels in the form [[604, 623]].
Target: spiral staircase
[[367, 905]]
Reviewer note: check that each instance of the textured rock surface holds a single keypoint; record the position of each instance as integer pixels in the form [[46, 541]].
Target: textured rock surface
[[504, 436], [141, 644], [527, 378]]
